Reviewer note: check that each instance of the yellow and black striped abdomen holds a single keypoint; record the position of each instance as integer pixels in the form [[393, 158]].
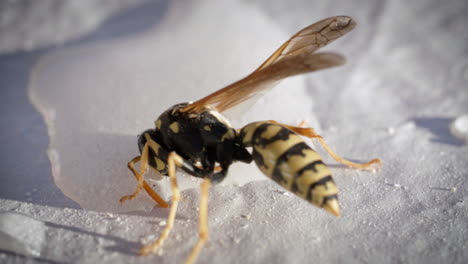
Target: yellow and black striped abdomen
[[283, 156]]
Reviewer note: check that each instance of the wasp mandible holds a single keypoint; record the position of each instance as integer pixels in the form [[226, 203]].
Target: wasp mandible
[[196, 138]]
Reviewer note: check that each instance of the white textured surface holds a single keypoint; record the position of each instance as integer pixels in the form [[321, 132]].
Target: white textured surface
[[14, 237], [405, 82], [28, 25]]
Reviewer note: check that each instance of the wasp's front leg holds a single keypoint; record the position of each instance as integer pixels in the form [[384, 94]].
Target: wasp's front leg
[[174, 161], [152, 155], [150, 149], [202, 222], [142, 183]]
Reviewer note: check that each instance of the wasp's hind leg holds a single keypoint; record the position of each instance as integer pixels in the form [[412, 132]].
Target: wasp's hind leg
[[143, 159], [310, 133], [173, 160]]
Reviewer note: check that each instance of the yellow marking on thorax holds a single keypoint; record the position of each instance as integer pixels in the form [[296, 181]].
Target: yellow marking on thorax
[[220, 117], [174, 127], [158, 124], [207, 128]]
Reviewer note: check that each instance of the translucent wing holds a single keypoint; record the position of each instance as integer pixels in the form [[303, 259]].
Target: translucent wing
[[295, 56]]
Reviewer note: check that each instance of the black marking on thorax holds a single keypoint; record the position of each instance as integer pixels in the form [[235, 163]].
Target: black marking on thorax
[[183, 137], [211, 128], [202, 136]]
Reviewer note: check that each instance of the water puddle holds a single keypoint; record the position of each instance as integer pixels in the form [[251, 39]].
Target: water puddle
[[97, 97]]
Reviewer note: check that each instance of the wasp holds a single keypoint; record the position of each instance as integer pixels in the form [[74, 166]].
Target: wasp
[[198, 139]]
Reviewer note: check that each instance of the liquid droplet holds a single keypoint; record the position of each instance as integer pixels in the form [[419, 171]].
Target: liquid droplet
[[459, 127]]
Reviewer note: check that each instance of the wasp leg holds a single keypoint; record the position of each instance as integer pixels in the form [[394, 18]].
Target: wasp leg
[[141, 181], [143, 167], [339, 159], [173, 160], [310, 133], [203, 222], [147, 187]]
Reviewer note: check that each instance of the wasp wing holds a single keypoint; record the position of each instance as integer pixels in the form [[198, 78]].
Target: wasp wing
[[312, 38], [294, 57]]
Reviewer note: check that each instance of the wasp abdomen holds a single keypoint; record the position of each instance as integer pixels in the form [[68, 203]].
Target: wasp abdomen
[[283, 156]]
